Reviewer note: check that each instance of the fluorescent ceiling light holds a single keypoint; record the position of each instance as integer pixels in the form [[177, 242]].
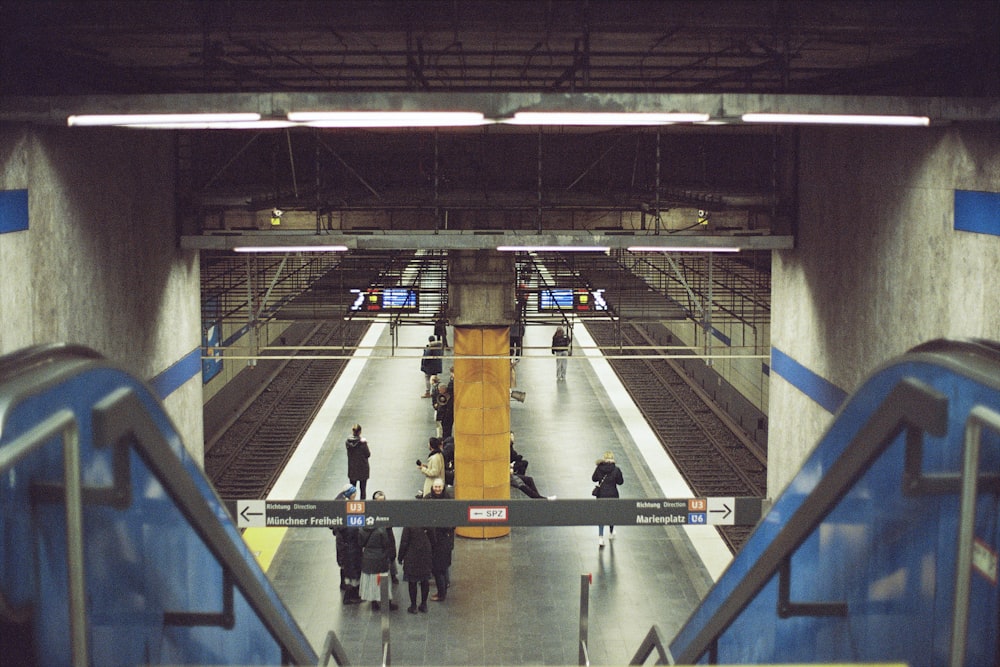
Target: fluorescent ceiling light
[[292, 248], [571, 118], [160, 119], [552, 248], [638, 248], [388, 118], [835, 119]]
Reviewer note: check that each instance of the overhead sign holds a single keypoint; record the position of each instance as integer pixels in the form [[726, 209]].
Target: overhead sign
[[377, 299], [520, 512], [576, 299]]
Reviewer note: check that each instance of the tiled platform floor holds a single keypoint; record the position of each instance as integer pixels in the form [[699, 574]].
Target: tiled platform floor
[[515, 600]]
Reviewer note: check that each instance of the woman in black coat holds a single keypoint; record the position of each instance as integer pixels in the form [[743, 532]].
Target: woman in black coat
[[415, 556], [608, 477], [358, 454], [442, 545], [348, 554]]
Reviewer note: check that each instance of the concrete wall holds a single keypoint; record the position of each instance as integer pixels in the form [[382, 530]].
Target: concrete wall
[[878, 267], [99, 264]]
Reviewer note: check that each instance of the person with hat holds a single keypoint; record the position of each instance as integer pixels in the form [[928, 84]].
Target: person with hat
[[348, 553], [608, 477], [378, 551]]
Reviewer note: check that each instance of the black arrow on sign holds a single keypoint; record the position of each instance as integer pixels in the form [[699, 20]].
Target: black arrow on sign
[[246, 514], [727, 511]]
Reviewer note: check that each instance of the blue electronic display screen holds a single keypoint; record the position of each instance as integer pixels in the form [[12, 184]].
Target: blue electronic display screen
[[385, 298], [553, 299]]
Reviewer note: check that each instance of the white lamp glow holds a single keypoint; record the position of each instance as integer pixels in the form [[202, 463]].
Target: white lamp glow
[[571, 118], [292, 248], [835, 119], [552, 248], [637, 248], [160, 120], [388, 118]]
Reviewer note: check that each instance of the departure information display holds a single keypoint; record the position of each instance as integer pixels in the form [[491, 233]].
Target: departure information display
[[573, 299], [375, 299]]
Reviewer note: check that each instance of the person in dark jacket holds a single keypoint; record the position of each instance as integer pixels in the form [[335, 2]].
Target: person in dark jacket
[[415, 556], [348, 553], [442, 545], [430, 363], [608, 477], [358, 454], [445, 408], [378, 550]]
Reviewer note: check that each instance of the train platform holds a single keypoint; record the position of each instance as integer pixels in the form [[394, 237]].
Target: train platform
[[514, 600]]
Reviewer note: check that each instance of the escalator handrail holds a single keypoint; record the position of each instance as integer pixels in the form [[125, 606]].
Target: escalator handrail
[[909, 405], [38, 369]]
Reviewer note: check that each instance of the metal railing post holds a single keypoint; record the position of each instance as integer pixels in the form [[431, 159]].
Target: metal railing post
[[585, 581]]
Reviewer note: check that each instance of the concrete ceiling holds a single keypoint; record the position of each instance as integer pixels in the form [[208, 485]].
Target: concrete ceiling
[[721, 56]]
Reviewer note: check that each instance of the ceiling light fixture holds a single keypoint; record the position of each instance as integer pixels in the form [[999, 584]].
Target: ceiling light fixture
[[835, 119], [388, 118], [581, 118], [292, 248], [638, 248], [552, 248], [162, 120]]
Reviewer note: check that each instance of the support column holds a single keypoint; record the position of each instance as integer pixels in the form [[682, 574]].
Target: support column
[[481, 307]]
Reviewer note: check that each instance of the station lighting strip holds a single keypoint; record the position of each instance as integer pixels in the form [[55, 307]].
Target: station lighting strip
[[400, 119]]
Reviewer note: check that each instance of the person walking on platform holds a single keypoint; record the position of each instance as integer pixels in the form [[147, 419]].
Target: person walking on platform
[[348, 553], [608, 477], [430, 363], [561, 342], [415, 556], [358, 454], [378, 550], [434, 467], [442, 545]]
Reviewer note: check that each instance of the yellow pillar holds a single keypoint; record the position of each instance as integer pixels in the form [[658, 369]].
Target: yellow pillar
[[482, 419]]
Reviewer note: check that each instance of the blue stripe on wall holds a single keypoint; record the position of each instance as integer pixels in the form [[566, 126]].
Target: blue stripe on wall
[[172, 378], [819, 389], [721, 336], [13, 211], [977, 212]]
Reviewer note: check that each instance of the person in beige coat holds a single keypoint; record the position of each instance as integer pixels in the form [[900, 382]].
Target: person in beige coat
[[433, 468]]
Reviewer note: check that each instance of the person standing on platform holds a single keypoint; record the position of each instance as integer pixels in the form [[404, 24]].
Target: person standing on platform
[[442, 545], [358, 454], [415, 556], [561, 342], [378, 550], [608, 477], [434, 467], [348, 554], [445, 407], [430, 363], [441, 330]]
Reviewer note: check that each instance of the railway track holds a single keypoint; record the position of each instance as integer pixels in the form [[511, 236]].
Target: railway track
[[712, 455], [247, 459]]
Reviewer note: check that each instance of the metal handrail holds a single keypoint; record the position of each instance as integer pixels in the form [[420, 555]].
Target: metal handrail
[[121, 416], [652, 641], [911, 406], [979, 417]]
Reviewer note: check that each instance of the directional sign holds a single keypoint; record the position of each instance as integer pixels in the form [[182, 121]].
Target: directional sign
[[726, 511], [250, 513]]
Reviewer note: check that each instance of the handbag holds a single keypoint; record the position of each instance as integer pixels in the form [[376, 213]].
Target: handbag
[[597, 489]]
